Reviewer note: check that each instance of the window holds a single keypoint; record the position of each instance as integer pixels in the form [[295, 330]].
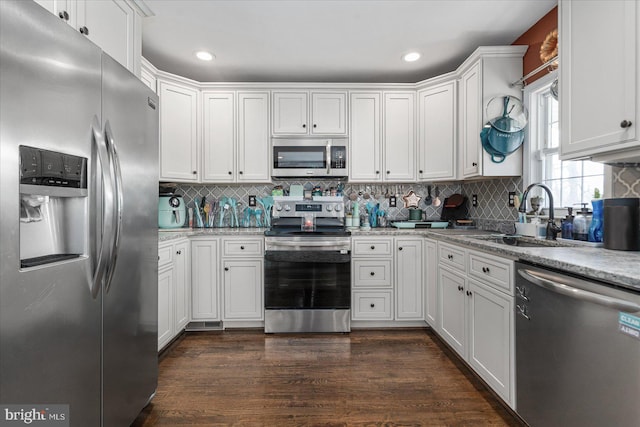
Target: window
[[571, 182]]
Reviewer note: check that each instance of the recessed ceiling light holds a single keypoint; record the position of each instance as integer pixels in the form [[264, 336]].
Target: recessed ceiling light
[[204, 55], [411, 56]]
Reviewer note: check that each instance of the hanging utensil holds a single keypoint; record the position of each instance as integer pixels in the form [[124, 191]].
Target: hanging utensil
[[437, 202], [428, 200]]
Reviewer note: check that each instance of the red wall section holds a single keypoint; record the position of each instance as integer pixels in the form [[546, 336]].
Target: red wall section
[[534, 37]]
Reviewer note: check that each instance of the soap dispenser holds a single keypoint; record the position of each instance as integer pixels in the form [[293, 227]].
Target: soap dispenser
[[581, 224], [567, 225]]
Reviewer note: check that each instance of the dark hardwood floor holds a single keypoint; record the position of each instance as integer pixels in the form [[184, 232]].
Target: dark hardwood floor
[[366, 378]]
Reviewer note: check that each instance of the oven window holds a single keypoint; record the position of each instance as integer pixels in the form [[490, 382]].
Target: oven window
[[307, 280], [299, 157]]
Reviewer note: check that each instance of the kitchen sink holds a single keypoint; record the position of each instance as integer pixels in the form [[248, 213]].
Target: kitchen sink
[[521, 241]]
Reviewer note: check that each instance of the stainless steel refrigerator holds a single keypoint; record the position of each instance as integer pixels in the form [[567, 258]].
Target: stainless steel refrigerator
[[78, 227]]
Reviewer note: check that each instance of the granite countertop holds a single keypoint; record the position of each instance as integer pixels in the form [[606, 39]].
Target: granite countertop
[[617, 267], [178, 233]]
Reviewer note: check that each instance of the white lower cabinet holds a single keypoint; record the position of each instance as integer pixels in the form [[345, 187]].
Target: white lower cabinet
[[243, 279], [490, 336], [475, 315], [431, 283], [205, 263], [386, 277], [409, 279], [243, 290], [174, 278], [369, 305], [452, 308]]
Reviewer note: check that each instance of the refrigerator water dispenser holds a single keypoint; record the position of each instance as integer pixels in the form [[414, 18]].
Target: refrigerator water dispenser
[[53, 206]]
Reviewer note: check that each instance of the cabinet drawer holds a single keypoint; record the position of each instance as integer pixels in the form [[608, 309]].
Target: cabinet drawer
[[372, 273], [494, 271], [371, 305], [452, 256], [372, 247], [242, 248], [165, 255]]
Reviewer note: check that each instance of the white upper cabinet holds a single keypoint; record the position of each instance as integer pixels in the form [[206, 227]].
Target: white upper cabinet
[[328, 113], [236, 138], [382, 140], [63, 9], [254, 152], [218, 138], [113, 25], [365, 144], [178, 132], [599, 73], [486, 74], [437, 133], [292, 114], [399, 136]]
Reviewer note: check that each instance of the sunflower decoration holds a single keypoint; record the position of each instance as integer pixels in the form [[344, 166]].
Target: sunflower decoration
[[549, 49]]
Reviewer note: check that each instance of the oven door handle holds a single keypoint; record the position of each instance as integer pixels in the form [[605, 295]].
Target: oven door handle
[[565, 289], [318, 244]]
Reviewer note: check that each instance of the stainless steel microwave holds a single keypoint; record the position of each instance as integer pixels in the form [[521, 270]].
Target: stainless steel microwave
[[296, 157]]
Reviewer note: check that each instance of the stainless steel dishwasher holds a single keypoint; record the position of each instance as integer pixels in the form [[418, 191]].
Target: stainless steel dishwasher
[[577, 350]]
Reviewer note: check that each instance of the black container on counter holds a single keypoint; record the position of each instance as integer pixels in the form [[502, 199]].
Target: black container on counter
[[622, 224]]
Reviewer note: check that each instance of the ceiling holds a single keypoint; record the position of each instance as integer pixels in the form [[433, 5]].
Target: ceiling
[[328, 40]]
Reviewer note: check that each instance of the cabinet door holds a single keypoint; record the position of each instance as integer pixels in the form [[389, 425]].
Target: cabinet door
[[290, 113], [409, 279], [596, 100], [243, 290], [63, 9], [364, 155], [204, 280], [110, 24], [490, 337], [254, 152], [328, 113], [399, 137], [471, 120], [218, 137], [437, 132], [431, 283], [178, 133], [182, 272], [451, 308], [165, 306]]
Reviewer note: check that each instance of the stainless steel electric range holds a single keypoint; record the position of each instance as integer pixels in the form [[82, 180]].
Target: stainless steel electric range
[[308, 267]]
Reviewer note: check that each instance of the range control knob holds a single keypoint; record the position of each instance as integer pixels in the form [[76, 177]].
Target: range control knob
[[287, 208], [329, 208], [338, 208], [278, 207]]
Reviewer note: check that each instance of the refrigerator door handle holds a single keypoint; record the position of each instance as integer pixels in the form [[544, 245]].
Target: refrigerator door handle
[[104, 212], [557, 286], [114, 244]]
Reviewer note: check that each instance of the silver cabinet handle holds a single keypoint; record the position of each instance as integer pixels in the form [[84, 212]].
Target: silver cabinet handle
[[522, 311], [557, 286], [522, 293]]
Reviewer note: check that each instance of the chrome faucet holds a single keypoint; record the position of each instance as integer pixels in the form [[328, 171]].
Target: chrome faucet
[[552, 228]]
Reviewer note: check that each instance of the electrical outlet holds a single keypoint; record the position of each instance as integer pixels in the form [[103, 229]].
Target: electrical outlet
[[392, 201], [512, 199], [474, 200], [252, 201]]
